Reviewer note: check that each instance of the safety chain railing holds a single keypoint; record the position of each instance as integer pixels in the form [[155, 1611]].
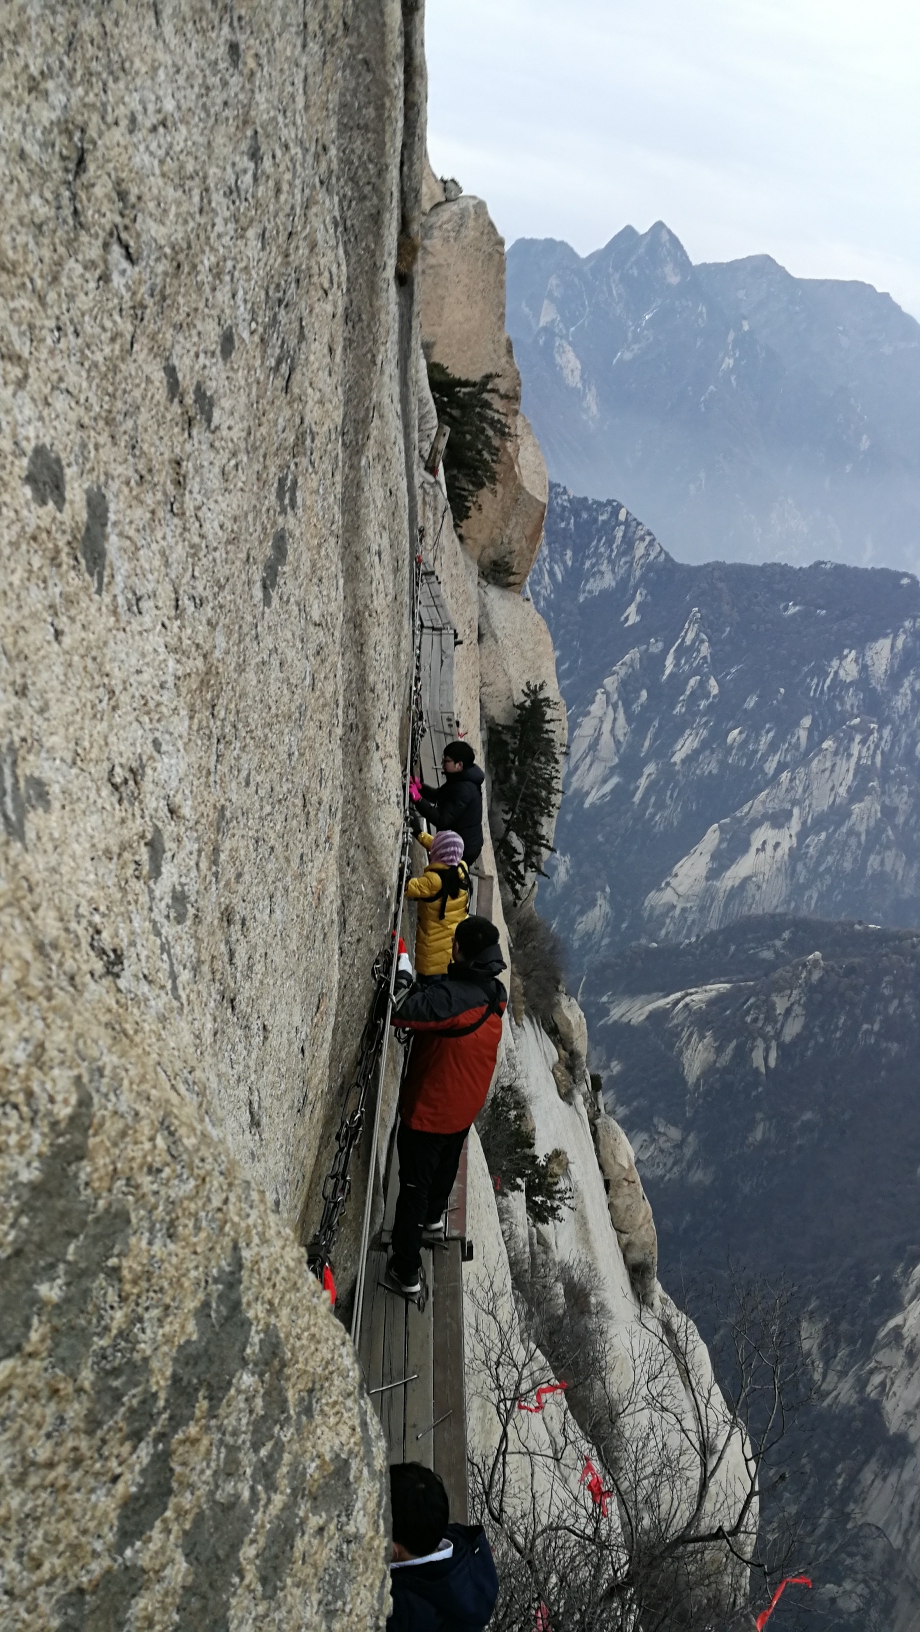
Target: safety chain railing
[[337, 1183], [373, 1048]]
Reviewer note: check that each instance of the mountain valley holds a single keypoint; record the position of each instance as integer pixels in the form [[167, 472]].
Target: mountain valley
[[737, 886], [766, 1075]]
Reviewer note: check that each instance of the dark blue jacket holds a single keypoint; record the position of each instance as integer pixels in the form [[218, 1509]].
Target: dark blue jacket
[[457, 1595], [457, 804]]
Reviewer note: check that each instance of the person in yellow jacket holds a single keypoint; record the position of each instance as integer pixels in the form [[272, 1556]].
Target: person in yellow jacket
[[443, 896]]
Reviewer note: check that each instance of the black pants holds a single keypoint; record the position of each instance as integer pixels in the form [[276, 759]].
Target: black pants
[[428, 1165]]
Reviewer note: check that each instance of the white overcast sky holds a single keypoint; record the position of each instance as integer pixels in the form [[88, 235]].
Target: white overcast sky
[[786, 127]]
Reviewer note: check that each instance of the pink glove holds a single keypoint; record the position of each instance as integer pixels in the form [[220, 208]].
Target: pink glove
[[415, 789]]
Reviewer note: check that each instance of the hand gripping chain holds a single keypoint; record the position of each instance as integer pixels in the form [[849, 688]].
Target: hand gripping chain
[[375, 1036]]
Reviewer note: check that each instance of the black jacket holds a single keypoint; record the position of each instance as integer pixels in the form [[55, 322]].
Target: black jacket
[[457, 1595], [457, 805]]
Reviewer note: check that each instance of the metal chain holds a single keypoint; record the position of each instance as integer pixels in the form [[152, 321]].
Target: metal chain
[[372, 1049], [337, 1183]]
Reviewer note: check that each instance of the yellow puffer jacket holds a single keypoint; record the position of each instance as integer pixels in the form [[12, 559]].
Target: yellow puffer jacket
[[434, 935]]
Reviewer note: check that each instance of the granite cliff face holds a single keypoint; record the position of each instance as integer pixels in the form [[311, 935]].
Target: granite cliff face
[[463, 328], [743, 739], [766, 1074], [740, 411], [208, 427]]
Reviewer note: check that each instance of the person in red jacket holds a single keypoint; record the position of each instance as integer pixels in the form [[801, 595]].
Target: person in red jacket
[[456, 1025]]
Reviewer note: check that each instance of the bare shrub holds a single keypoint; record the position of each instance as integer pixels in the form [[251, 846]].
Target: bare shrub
[[685, 1461], [537, 960]]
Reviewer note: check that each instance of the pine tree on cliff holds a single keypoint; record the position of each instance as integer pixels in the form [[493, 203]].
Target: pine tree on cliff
[[526, 763], [477, 430]]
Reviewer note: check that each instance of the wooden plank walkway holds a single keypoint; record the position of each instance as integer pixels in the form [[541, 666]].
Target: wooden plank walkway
[[441, 724], [413, 1359], [438, 640]]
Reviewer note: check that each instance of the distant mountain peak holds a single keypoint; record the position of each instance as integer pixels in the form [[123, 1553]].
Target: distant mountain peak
[[741, 411]]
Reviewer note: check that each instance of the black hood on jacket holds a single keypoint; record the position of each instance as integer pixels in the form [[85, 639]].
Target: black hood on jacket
[[459, 1593], [470, 773], [487, 964]]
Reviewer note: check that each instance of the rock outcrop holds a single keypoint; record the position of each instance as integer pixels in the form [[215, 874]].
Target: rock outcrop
[[630, 1213], [463, 327]]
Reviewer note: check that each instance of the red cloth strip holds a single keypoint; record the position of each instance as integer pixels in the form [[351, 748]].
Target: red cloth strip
[[596, 1491], [790, 1581], [542, 1392]]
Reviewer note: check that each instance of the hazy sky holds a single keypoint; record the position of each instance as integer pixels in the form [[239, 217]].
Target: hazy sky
[[790, 127]]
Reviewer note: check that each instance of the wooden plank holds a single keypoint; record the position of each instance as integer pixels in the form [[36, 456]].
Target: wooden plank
[[420, 1394], [449, 1392], [370, 1346], [456, 1207], [446, 682], [393, 1401], [485, 895], [439, 638]]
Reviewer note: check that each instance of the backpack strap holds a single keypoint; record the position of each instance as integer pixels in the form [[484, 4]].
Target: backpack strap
[[492, 1007], [444, 894]]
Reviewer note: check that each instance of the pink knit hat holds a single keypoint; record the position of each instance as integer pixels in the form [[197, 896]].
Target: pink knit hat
[[447, 848]]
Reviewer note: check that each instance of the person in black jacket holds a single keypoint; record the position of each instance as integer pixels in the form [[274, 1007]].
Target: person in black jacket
[[442, 1576], [457, 803]]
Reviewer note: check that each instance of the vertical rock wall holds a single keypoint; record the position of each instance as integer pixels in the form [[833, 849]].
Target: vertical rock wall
[[206, 426]]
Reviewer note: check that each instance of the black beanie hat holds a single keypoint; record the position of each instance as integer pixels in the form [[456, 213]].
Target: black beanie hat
[[474, 935], [419, 1505], [462, 753]]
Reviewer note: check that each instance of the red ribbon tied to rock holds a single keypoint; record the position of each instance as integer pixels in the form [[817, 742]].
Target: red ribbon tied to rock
[[595, 1484], [790, 1581], [540, 1396]]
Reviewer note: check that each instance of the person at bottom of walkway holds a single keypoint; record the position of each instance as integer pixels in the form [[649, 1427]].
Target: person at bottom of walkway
[[443, 896], [442, 1574], [456, 1026]]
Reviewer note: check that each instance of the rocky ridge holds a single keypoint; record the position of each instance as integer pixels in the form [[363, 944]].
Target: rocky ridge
[[608, 1232], [742, 739]]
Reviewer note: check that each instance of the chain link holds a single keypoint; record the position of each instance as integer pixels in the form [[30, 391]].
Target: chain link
[[337, 1183]]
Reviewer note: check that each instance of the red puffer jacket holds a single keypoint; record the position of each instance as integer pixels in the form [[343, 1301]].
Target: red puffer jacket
[[456, 1025]]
